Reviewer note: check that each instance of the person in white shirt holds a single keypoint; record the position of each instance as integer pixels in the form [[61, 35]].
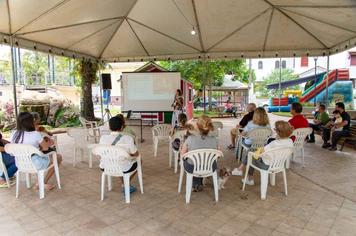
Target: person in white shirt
[[125, 141], [27, 134], [284, 131]]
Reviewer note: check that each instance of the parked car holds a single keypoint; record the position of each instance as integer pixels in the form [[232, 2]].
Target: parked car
[[199, 102]]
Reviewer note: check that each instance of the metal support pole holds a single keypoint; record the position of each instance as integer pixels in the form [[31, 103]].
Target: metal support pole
[[14, 75], [249, 80], [279, 85], [101, 97], [327, 81], [19, 65], [315, 80], [204, 83]]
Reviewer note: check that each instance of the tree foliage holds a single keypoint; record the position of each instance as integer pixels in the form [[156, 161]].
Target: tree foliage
[[213, 70], [273, 77], [35, 66], [87, 72]]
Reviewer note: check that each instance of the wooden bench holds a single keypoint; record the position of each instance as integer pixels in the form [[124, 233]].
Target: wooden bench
[[350, 140], [221, 112]]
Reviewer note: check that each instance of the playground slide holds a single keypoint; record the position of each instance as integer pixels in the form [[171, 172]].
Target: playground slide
[[335, 75]]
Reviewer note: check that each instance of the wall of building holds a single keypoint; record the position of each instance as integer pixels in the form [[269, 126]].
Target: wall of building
[[340, 60]]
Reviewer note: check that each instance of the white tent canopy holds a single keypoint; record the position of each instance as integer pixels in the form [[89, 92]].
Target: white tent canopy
[[136, 30]]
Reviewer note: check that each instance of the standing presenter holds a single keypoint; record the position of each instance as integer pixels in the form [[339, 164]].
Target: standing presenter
[[177, 107]]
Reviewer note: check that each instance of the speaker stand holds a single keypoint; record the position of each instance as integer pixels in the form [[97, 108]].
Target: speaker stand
[[107, 113]]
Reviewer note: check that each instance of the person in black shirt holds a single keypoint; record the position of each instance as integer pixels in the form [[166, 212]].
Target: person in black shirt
[[336, 135], [248, 117]]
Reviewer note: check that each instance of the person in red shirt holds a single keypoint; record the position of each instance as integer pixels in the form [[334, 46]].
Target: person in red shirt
[[298, 120]]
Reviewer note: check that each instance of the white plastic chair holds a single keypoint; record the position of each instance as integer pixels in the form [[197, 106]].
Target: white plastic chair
[[218, 126], [160, 132], [180, 135], [80, 143], [55, 141], [4, 170], [23, 157], [277, 158], [92, 127], [259, 137], [300, 138], [203, 160], [112, 158]]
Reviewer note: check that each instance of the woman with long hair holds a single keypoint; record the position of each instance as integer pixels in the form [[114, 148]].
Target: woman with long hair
[[177, 105], [202, 140], [26, 134], [259, 120]]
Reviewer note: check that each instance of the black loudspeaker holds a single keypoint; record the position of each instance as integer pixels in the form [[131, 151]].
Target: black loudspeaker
[[106, 81]]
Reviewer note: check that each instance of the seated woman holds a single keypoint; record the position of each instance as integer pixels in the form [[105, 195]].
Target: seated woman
[[284, 131], [9, 162], [26, 134], [200, 141], [259, 120], [230, 108], [126, 129], [121, 138]]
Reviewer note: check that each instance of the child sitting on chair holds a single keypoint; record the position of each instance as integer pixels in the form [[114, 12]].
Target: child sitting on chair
[[119, 137], [182, 126], [336, 125], [47, 135], [337, 122], [284, 131]]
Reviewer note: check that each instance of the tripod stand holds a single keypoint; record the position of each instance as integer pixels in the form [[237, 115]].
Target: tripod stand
[[107, 113]]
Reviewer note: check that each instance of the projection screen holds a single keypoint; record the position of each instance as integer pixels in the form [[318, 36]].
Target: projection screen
[[152, 91]]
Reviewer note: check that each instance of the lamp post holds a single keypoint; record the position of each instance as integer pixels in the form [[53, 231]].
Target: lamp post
[[315, 60]]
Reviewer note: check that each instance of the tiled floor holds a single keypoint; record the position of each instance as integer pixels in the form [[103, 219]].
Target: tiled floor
[[321, 200]]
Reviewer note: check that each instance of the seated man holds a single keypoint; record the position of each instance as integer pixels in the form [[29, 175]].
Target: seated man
[[124, 140], [248, 117], [298, 120], [321, 119], [337, 134]]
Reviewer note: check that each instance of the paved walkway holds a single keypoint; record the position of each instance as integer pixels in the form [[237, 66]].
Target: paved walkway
[[309, 209]]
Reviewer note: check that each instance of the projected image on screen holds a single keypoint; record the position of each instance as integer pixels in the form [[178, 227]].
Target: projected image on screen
[[149, 91], [149, 87]]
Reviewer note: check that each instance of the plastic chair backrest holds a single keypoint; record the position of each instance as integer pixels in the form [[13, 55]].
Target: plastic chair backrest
[[161, 130], [79, 135], [83, 121], [112, 158], [218, 125], [300, 136], [203, 160], [2, 165], [23, 156], [277, 157], [259, 137]]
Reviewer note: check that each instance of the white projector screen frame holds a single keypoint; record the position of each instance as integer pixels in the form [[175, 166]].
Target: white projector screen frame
[[149, 91]]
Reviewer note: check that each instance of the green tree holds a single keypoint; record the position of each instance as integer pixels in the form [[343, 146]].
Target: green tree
[[208, 73], [35, 67], [273, 77], [5, 72], [87, 72]]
